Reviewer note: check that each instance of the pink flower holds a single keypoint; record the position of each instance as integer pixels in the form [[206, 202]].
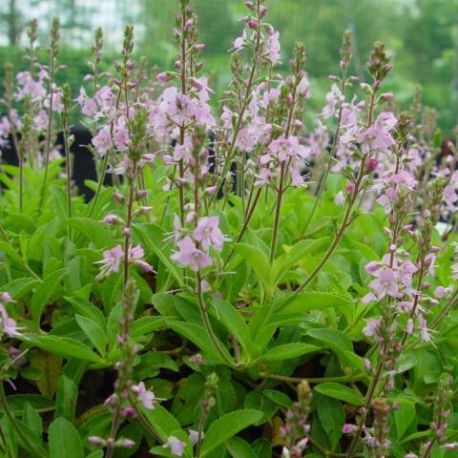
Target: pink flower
[[105, 98], [188, 255], [176, 446], [273, 46], [340, 198], [208, 233], [8, 326], [102, 141], [332, 98], [240, 42], [348, 428], [441, 292], [385, 283], [372, 328], [87, 104], [146, 397], [193, 436], [378, 137], [303, 87], [121, 134], [449, 195], [40, 120], [285, 148], [111, 261], [201, 84]]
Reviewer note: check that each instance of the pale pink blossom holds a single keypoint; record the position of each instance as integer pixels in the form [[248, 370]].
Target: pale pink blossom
[[111, 261], [102, 141], [208, 234], [273, 46], [175, 445], [188, 255], [146, 397]]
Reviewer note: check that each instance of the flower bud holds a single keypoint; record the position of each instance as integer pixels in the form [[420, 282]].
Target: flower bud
[[163, 77], [372, 164], [253, 24]]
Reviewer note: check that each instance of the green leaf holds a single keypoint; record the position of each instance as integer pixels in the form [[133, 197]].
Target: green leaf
[[332, 417], [16, 403], [259, 262], [295, 253], [287, 351], [64, 346], [239, 448], [404, 415], [163, 422], [315, 300], [64, 440], [152, 362], [19, 287], [234, 323], [341, 392], [340, 344], [146, 325], [44, 293], [228, 426], [278, 397], [198, 336], [94, 332], [95, 231], [33, 420], [66, 397], [87, 309]]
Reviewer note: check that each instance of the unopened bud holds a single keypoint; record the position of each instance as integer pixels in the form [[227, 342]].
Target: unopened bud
[[372, 164], [253, 24]]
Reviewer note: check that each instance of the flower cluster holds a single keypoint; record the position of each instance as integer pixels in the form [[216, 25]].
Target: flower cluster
[[114, 257], [8, 326], [194, 247]]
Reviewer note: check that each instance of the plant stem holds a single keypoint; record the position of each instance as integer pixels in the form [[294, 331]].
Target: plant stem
[[369, 396], [246, 221], [25, 441], [130, 203], [208, 327], [68, 171], [100, 182], [322, 183], [200, 432], [343, 378], [49, 129], [277, 213], [243, 107]]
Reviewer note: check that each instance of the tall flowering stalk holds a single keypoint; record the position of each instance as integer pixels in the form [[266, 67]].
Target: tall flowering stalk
[[120, 259], [286, 149], [51, 72], [335, 107], [398, 286], [66, 104], [240, 120], [374, 138]]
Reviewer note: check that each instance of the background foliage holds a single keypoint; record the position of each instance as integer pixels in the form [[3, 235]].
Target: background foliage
[[422, 34]]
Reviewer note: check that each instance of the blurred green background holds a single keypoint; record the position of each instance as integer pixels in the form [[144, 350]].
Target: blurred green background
[[422, 35]]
